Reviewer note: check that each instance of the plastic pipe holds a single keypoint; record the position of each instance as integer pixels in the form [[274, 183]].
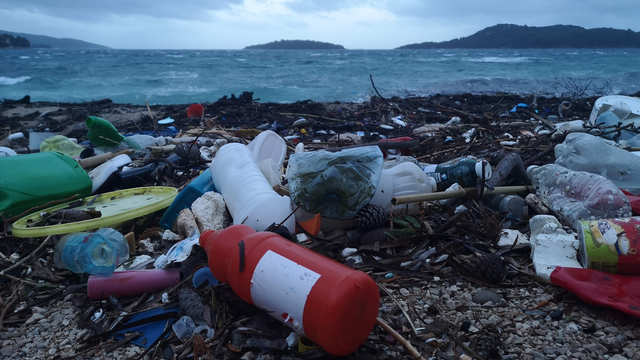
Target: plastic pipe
[[127, 283], [399, 200]]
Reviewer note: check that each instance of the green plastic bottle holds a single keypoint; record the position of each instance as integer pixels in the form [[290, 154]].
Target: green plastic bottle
[[464, 171], [102, 132], [36, 179]]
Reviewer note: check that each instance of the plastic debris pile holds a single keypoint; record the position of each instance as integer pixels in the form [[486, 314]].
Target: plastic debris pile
[[309, 230]]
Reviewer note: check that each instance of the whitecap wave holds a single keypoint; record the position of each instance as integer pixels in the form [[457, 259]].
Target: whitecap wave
[[498, 59], [175, 56], [12, 81], [25, 57]]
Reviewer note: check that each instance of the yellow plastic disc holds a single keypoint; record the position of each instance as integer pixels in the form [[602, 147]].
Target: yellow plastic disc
[[116, 207]]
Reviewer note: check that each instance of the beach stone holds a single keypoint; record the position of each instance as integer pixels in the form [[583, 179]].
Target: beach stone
[[483, 296], [556, 315], [612, 330], [7, 350], [618, 357], [35, 317], [538, 356], [210, 212]]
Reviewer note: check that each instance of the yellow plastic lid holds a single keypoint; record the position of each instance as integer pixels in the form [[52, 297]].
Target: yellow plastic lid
[[116, 207]]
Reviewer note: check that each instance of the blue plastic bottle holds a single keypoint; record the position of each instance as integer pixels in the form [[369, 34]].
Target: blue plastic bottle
[[200, 185], [93, 253]]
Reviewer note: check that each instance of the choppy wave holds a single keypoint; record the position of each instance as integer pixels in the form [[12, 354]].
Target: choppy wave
[[12, 81], [132, 76]]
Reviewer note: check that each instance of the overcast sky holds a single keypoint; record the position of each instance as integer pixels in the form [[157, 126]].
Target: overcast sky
[[356, 24]]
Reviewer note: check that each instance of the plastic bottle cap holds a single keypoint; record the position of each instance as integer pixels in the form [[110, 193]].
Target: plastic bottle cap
[[530, 169], [487, 169]]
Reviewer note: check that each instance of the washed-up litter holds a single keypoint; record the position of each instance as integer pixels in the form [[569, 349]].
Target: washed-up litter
[[448, 227]]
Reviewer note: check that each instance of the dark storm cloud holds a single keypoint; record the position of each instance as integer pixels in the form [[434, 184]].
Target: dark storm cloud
[[86, 10], [587, 13]]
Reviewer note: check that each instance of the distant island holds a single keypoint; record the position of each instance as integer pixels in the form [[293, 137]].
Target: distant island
[[511, 36], [41, 41], [296, 45], [13, 42]]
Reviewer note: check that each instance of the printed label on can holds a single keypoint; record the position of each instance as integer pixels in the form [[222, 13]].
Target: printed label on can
[[281, 287], [611, 245]]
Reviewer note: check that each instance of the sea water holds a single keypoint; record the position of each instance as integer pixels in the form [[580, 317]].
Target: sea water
[[187, 76]]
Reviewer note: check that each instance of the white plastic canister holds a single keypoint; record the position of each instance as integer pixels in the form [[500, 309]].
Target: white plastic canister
[[247, 193], [404, 179]]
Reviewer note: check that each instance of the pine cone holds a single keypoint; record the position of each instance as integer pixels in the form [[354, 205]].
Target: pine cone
[[487, 343], [370, 217], [187, 151], [485, 267]]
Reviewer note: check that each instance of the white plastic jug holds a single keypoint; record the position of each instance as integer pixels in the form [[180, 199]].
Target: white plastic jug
[[249, 196], [403, 179], [268, 145]]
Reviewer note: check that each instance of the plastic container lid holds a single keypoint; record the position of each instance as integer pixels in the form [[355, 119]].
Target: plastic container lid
[[487, 169], [204, 275], [116, 207]]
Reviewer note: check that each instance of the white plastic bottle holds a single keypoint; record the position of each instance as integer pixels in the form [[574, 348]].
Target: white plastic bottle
[[578, 195], [403, 179], [584, 152], [247, 193]]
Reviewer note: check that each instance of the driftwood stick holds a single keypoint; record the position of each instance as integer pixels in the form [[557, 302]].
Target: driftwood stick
[[400, 339], [374, 87], [313, 116], [413, 327]]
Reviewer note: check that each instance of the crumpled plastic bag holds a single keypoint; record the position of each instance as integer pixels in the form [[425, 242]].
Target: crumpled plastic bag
[[335, 185], [61, 144], [179, 252]]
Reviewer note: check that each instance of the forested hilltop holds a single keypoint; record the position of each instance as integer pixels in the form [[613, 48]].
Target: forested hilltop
[[530, 37], [296, 45], [10, 41]]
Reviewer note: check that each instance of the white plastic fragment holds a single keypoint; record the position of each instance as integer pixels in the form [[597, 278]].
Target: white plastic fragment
[[508, 237], [169, 235], [302, 238], [468, 134], [428, 129], [148, 244], [454, 120], [137, 263], [551, 246], [347, 253]]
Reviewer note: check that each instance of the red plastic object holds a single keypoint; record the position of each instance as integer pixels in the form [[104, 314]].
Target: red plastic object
[[634, 201], [195, 110], [600, 288], [331, 304], [127, 283], [405, 152]]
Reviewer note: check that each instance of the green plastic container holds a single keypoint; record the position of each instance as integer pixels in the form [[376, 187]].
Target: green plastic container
[[36, 179], [102, 132]]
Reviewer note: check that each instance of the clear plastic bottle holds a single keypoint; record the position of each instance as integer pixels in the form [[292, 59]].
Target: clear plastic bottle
[[584, 152], [578, 195], [94, 253]]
